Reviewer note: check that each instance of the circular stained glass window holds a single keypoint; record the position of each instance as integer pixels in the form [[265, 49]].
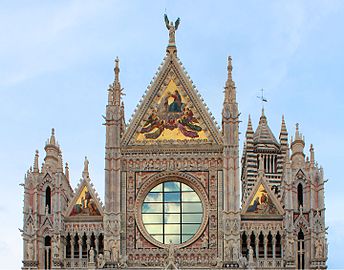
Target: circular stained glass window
[[172, 212]]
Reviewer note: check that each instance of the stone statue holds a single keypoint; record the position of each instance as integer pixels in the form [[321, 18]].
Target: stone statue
[[319, 248], [30, 251], [205, 241], [218, 262], [115, 251], [250, 255], [235, 253], [171, 259], [171, 250], [91, 255], [290, 247], [100, 261], [242, 261], [172, 28], [56, 249], [122, 263]]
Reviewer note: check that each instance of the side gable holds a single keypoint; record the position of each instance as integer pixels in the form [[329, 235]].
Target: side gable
[[85, 203], [262, 201], [171, 110]]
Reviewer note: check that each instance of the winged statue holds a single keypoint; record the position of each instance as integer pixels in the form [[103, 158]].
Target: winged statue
[[172, 28]]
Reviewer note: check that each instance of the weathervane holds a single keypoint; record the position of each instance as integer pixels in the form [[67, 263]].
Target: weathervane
[[262, 98], [172, 28]]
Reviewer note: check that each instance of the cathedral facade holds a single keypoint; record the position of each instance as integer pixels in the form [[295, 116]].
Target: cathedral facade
[[176, 196]]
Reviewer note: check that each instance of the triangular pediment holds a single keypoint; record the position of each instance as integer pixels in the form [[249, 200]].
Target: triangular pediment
[[262, 201], [85, 202], [171, 110]]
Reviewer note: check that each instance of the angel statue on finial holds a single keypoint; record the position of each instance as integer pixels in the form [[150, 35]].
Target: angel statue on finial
[[172, 28]]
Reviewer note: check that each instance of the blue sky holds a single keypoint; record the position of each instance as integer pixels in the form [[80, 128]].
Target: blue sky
[[57, 61]]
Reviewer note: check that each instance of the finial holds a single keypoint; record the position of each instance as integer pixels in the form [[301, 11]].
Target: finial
[[67, 171], [297, 132], [172, 28], [262, 98], [35, 164], [116, 69], [311, 150], [229, 67], [85, 173], [52, 137]]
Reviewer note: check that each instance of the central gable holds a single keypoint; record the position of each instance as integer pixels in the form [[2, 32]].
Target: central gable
[[172, 110]]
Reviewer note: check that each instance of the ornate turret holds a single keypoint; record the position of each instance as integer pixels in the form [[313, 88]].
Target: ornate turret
[[52, 153], [297, 146]]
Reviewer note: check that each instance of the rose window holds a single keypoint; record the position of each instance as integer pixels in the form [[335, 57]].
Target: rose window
[[172, 212]]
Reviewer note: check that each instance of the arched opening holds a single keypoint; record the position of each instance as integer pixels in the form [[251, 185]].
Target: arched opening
[[299, 195], [84, 246], [269, 251], [261, 245], [76, 246], [278, 249], [300, 250], [253, 243], [68, 246], [93, 241], [47, 252], [48, 199], [101, 243], [244, 244]]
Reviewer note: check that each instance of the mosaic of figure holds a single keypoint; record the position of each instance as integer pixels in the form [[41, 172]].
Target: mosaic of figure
[[171, 114], [85, 205], [261, 203]]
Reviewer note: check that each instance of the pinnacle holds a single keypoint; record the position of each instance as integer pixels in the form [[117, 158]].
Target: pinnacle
[[230, 94], [52, 137], [35, 164], [249, 125], [298, 135]]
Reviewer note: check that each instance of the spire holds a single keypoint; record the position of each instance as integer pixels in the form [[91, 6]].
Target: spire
[[249, 132], [85, 173], [263, 132], [117, 91], [67, 171], [230, 93], [283, 137], [35, 163]]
